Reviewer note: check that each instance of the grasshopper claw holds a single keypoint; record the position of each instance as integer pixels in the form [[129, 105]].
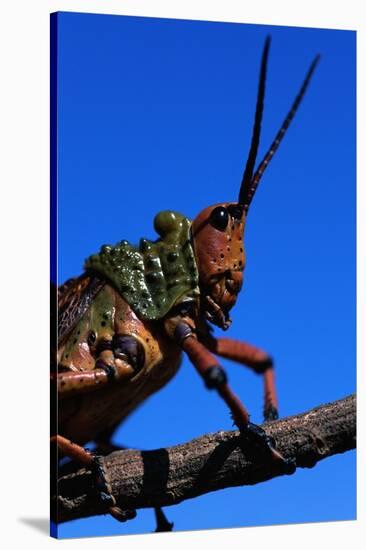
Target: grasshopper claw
[[265, 446], [105, 493]]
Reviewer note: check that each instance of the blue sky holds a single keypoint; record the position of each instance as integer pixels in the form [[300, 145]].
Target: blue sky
[[157, 114]]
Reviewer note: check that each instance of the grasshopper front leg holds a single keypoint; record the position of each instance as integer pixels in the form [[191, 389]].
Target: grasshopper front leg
[[254, 358]]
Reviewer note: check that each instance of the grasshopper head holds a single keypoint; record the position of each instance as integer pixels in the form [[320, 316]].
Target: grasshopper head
[[217, 232]]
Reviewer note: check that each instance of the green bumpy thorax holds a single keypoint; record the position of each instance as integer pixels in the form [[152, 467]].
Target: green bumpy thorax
[[154, 276]]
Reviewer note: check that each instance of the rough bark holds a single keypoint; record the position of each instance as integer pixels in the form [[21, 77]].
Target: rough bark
[[163, 477]]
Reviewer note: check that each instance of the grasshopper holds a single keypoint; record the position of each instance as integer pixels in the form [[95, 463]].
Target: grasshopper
[[124, 323]]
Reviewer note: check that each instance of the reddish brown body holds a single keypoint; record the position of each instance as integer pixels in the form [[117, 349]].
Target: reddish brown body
[[84, 414], [110, 360]]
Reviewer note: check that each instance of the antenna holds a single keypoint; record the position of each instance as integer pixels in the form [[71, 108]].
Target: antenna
[[251, 189], [249, 168]]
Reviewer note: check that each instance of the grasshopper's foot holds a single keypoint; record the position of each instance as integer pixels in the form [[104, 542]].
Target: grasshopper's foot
[[270, 413], [105, 493], [162, 523], [265, 446]]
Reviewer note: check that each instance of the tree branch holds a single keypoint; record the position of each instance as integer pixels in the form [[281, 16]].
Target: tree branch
[[141, 479]]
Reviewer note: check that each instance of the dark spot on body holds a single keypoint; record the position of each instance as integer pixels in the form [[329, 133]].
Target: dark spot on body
[[103, 323], [91, 338], [152, 277], [172, 256]]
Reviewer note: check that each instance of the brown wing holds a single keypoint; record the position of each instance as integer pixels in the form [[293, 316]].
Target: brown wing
[[74, 298]]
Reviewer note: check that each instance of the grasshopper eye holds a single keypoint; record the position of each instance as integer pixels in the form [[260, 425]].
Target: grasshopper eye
[[219, 218]]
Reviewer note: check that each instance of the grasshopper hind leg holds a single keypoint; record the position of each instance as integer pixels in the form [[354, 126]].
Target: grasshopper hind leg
[[95, 462], [106, 446]]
